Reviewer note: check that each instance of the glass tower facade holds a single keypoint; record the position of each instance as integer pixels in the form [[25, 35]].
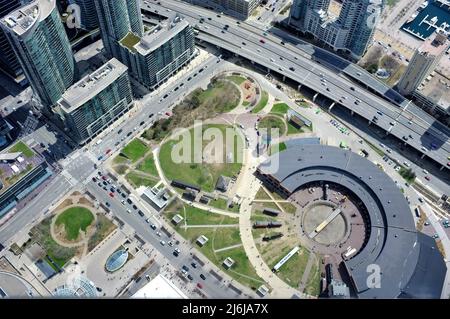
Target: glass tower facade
[[8, 60], [117, 18], [41, 44]]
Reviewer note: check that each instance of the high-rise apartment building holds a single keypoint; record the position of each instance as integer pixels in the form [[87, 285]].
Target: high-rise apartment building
[[351, 31], [242, 9], [97, 100], [423, 62], [9, 63], [40, 42], [160, 53], [88, 13], [118, 18]]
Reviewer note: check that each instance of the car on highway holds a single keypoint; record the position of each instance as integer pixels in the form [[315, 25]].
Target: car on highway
[[428, 178], [142, 123], [262, 41], [292, 68]]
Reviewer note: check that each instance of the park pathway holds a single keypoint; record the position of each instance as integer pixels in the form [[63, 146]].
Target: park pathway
[[227, 248], [197, 205]]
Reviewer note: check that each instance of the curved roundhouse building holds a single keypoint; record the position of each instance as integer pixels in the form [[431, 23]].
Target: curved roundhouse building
[[409, 262]]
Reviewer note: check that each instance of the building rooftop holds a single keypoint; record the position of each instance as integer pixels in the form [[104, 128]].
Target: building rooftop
[[160, 288], [392, 240], [22, 19], [434, 45], [91, 85], [160, 35], [436, 87]]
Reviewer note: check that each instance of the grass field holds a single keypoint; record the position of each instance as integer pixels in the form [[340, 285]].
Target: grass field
[[280, 108], [313, 284], [197, 216], [21, 147], [262, 102], [59, 254], [221, 203], [277, 148], [74, 220], [148, 166], [217, 238], [103, 228], [273, 122], [204, 175], [236, 79], [137, 180], [291, 272], [292, 129], [120, 159], [135, 150]]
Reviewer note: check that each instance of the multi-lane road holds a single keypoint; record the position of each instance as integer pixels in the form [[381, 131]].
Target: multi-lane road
[[288, 60], [211, 286]]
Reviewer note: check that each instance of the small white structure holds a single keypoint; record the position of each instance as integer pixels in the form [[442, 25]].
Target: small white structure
[[202, 240], [15, 169], [160, 288], [228, 262], [177, 219]]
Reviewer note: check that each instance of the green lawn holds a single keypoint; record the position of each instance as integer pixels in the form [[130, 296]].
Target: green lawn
[[262, 102], [119, 159], [218, 238], [292, 129], [59, 254], [103, 228], [246, 103], [221, 203], [280, 108], [277, 148], [262, 194], [137, 180], [236, 79], [289, 208], [292, 271], [204, 175], [313, 284], [197, 216], [221, 96], [135, 150], [148, 166], [274, 122], [74, 220], [21, 147], [226, 237]]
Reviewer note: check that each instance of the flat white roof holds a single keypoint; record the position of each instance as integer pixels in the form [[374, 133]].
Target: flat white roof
[[92, 84], [160, 288]]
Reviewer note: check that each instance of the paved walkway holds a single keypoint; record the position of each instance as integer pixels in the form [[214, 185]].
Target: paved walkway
[[210, 226], [227, 248], [197, 205], [445, 243], [248, 191]]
